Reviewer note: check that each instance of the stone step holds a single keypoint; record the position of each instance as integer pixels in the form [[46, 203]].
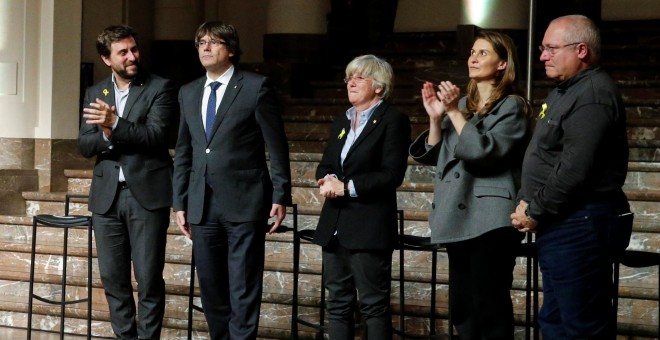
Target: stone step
[[637, 296], [415, 194], [637, 115], [308, 134], [630, 89], [277, 300], [12, 183]]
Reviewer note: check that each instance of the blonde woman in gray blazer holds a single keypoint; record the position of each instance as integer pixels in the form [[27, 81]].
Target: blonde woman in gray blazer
[[477, 144]]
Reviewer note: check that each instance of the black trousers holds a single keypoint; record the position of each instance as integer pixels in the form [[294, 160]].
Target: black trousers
[[229, 259], [129, 232], [480, 277], [358, 275]]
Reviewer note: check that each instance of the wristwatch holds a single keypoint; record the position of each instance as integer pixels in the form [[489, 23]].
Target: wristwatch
[[529, 217], [346, 191]]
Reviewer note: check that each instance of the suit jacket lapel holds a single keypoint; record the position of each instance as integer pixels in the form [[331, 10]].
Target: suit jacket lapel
[[133, 95], [136, 89], [196, 101], [233, 87]]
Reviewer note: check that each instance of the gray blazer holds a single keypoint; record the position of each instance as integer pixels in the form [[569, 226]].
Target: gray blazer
[[477, 172]]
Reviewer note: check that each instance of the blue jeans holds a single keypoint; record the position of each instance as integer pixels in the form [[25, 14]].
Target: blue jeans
[[576, 256]]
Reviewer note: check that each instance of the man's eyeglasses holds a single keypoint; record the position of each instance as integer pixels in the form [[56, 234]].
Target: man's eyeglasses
[[357, 79], [553, 49], [213, 42]]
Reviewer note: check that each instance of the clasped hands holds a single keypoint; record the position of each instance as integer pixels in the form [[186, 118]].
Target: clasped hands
[[101, 114], [521, 221], [331, 187]]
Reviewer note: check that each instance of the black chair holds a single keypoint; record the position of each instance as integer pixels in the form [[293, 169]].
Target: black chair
[[418, 243], [64, 222], [298, 236], [634, 259], [527, 249], [307, 235], [191, 292]]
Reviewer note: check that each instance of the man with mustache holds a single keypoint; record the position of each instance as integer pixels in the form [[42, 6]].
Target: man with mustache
[[126, 120]]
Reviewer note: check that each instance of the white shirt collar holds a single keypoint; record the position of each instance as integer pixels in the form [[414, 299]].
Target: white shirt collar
[[224, 78]]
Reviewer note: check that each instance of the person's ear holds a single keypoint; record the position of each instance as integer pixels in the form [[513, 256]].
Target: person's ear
[[583, 51], [106, 60]]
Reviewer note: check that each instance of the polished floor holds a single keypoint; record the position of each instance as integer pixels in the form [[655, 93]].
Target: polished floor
[[21, 333]]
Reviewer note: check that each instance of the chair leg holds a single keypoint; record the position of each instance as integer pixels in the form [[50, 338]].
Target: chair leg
[[31, 289], [191, 296], [402, 293], [528, 297], [535, 271], [322, 308], [63, 299], [615, 292], [434, 274], [296, 272], [89, 279]]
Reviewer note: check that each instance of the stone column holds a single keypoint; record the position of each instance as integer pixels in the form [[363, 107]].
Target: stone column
[[39, 72]]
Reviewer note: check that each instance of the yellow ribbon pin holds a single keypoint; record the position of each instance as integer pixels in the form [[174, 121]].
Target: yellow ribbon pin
[[341, 134], [544, 107], [105, 92]]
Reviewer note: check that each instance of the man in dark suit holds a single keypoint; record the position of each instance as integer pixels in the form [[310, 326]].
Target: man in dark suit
[[223, 192], [125, 124], [363, 164]]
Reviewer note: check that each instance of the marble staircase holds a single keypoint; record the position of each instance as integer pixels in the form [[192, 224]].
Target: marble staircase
[[637, 296], [416, 57]]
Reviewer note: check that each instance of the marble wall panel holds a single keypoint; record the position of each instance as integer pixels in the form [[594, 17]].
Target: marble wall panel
[[17, 153], [12, 184], [66, 155], [642, 180]]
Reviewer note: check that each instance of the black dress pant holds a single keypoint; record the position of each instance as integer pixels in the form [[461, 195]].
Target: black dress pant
[[480, 277], [358, 275], [229, 259], [129, 232]]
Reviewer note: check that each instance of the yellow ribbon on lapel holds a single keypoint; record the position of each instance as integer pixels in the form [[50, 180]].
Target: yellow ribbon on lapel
[[341, 134], [544, 107]]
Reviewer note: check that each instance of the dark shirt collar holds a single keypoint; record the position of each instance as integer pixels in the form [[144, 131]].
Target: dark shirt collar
[[564, 85]]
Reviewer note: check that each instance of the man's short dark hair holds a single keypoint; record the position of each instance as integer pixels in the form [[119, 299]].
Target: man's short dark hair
[[223, 31], [113, 34]]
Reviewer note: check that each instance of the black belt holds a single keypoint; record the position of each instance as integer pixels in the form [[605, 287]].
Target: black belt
[[122, 185]]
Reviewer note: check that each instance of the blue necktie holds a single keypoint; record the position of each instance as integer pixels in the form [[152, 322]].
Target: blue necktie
[[210, 109]]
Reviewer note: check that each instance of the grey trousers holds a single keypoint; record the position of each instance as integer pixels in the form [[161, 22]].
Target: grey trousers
[[129, 232]]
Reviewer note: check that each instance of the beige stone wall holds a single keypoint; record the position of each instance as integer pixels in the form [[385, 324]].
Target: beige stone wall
[[630, 9]]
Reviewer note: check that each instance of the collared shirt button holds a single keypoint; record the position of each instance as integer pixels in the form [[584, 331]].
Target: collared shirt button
[[457, 175], [208, 150], [461, 206]]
